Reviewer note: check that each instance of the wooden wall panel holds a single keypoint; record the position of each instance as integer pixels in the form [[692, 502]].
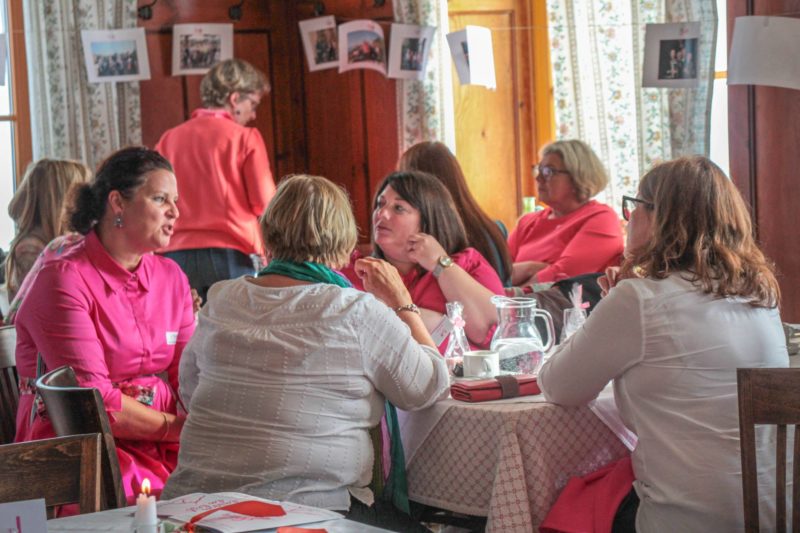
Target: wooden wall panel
[[494, 128], [163, 94], [764, 159]]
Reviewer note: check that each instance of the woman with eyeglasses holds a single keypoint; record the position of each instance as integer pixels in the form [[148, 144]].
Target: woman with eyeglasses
[[224, 176], [574, 234], [695, 299]]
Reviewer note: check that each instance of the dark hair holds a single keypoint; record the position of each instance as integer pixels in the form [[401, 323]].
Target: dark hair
[[483, 233], [123, 171], [437, 212], [701, 226]]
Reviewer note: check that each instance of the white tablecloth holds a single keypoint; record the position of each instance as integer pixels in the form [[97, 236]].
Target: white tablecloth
[[506, 461]]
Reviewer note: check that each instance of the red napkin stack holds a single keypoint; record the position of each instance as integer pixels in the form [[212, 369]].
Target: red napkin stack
[[485, 390]]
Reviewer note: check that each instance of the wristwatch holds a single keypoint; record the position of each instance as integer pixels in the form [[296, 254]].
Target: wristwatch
[[444, 262]]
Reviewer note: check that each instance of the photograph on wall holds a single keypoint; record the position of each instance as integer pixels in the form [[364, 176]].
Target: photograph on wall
[[3, 59], [670, 55], [362, 45], [473, 55], [764, 52], [115, 55], [409, 49], [198, 47], [320, 42]]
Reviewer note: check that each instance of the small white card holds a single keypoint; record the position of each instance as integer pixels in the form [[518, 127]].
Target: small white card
[[198, 47], [409, 50], [24, 516], [172, 338], [442, 330], [320, 42], [670, 54], [115, 55], [764, 52], [472, 52]]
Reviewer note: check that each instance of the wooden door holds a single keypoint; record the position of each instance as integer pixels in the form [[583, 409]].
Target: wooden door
[[763, 139], [494, 128]]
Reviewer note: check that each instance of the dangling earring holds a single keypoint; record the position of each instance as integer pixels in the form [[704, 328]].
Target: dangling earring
[[118, 221], [237, 112]]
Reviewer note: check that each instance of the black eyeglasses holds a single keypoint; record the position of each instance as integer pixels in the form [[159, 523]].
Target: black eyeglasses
[[546, 172], [629, 203]]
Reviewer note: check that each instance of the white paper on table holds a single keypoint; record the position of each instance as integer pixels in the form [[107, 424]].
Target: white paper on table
[[3, 57], [409, 50], [765, 52], [473, 55], [198, 47], [362, 46], [320, 42], [605, 407], [115, 55], [26, 515], [670, 54], [184, 508]]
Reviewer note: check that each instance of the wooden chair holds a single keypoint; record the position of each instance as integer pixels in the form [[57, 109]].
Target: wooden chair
[[74, 410], [9, 391], [62, 470], [769, 396]]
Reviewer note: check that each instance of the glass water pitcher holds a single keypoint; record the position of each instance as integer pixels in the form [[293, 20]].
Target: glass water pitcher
[[516, 338]]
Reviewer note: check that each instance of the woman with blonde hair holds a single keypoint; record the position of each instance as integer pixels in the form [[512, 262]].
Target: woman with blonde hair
[[224, 175], [695, 300], [574, 234], [38, 209], [293, 366]]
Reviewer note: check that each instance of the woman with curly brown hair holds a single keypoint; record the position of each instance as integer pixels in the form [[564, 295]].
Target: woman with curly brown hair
[[696, 299]]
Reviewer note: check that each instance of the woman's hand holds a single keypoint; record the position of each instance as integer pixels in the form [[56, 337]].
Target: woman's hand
[[609, 280], [383, 281], [425, 250], [524, 272], [197, 302]]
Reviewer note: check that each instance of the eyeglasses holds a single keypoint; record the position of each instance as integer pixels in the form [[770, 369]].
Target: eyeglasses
[[629, 203], [546, 172], [253, 100]]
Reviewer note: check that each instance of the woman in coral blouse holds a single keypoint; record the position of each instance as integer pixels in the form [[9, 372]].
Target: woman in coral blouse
[[115, 312], [574, 234], [416, 228]]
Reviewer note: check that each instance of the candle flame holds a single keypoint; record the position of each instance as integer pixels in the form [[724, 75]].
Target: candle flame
[[146, 486]]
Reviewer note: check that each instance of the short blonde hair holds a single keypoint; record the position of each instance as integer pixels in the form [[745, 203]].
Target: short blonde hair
[[310, 219], [587, 171], [228, 77]]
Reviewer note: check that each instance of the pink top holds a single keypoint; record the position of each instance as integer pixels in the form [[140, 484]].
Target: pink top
[[225, 181], [424, 288], [116, 329], [587, 240]]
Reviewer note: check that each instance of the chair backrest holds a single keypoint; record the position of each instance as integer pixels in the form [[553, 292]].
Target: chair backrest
[[769, 396], [62, 470], [74, 410], [9, 391]]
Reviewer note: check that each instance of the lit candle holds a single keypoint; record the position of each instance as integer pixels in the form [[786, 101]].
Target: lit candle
[[146, 519]]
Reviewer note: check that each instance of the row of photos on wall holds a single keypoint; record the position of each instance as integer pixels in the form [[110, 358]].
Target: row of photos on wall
[[762, 53]]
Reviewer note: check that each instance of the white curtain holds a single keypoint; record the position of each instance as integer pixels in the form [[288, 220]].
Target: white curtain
[[72, 118], [425, 108], [596, 51]]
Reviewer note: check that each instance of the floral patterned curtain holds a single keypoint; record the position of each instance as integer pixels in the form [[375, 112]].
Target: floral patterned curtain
[[425, 108], [597, 50], [72, 118]]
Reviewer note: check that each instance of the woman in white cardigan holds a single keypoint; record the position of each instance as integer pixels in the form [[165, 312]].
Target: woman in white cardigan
[[287, 372], [694, 300]]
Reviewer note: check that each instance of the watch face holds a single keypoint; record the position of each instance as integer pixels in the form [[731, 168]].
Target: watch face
[[445, 261]]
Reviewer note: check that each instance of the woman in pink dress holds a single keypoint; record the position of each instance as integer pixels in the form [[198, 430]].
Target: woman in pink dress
[[119, 315]]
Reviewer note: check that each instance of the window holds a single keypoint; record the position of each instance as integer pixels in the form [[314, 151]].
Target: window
[[718, 151], [15, 144]]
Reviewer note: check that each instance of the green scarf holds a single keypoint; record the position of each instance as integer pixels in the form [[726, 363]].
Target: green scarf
[[396, 487], [305, 271]]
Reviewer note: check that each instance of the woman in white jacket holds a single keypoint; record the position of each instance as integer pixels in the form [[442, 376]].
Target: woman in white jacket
[[694, 300]]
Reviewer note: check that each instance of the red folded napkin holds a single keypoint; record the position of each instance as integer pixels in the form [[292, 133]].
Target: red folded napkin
[[247, 508], [485, 390]]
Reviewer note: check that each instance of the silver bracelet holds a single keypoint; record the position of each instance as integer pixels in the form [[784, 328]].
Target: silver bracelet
[[408, 307]]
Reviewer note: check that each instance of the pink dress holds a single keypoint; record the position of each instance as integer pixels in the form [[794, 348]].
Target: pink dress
[[425, 291], [117, 329], [587, 240]]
